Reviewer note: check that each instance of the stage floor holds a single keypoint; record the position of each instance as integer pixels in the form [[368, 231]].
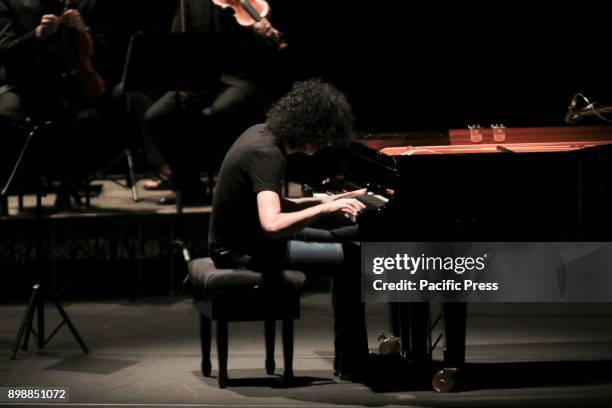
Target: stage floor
[[114, 200], [146, 353]]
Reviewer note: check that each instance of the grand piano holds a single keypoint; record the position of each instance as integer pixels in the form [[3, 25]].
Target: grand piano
[[539, 184]]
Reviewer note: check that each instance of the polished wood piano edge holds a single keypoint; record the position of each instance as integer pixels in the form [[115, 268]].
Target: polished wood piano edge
[[538, 134], [382, 140], [497, 148]]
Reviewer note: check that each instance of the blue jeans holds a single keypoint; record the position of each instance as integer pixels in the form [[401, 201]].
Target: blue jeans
[[337, 253]]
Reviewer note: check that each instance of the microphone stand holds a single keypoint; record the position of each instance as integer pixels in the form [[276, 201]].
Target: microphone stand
[[574, 115], [593, 110], [36, 304], [4, 208]]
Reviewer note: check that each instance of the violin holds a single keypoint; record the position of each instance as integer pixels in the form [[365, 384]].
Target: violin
[[249, 12], [84, 83]]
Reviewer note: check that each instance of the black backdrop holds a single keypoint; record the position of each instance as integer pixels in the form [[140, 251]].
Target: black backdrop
[[406, 65]]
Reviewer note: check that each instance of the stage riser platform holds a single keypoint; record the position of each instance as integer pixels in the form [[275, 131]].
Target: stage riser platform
[[101, 255]]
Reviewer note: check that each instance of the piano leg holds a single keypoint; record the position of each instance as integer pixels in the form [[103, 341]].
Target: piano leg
[[419, 332], [455, 319], [394, 319], [414, 322]]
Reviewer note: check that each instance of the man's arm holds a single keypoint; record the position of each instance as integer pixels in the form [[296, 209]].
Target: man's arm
[[16, 42], [276, 223], [328, 198], [296, 204]]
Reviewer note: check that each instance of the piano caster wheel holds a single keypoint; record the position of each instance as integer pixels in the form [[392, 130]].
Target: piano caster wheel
[[444, 380]]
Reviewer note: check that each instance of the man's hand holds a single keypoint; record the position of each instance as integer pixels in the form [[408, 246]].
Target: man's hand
[[276, 223], [49, 24], [72, 18], [265, 30], [350, 194], [348, 206]]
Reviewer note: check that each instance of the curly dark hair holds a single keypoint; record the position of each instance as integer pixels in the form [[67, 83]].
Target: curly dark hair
[[313, 114]]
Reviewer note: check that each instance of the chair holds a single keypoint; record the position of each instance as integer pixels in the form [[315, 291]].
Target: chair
[[232, 295]]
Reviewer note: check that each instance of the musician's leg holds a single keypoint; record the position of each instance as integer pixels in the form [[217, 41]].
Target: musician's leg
[[229, 100], [171, 123], [10, 103], [349, 313], [208, 125], [136, 105], [340, 255], [236, 106], [339, 235], [236, 95], [76, 157]]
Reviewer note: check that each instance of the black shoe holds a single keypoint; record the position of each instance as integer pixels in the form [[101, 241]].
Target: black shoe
[[170, 199], [354, 369], [371, 368], [188, 200], [68, 202], [355, 374]]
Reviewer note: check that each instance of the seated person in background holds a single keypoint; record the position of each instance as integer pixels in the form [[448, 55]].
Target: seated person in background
[[180, 121], [253, 226], [37, 48], [136, 104], [9, 101]]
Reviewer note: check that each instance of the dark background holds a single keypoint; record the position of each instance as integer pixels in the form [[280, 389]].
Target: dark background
[[410, 66]]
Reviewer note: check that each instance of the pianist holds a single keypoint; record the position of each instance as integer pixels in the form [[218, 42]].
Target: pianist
[[253, 226]]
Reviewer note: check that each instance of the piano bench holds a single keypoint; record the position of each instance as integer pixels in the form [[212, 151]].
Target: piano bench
[[233, 295]]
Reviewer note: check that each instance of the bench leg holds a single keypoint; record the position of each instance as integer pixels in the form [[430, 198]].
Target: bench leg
[[270, 328], [205, 333], [288, 348], [222, 352]]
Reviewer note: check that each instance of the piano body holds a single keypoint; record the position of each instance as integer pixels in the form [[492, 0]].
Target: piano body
[[540, 184]]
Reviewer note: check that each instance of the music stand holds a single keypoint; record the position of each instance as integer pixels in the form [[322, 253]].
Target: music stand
[[161, 61]]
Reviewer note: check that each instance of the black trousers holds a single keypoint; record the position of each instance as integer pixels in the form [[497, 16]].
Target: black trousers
[[10, 103], [135, 105], [182, 124]]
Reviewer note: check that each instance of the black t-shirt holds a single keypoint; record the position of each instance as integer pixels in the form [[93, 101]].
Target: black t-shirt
[[256, 162]]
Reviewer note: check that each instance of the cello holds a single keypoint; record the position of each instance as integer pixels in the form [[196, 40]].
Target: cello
[[249, 12], [84, 83]]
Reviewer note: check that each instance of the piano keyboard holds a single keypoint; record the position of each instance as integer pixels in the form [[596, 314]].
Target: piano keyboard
[[373, 201], [370, 200]]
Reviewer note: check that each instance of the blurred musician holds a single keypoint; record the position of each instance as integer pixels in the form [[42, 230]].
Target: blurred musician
[[178, 122], [43, 46]]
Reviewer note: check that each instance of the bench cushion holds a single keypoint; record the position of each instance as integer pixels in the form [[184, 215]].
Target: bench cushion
[[210, 281]]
